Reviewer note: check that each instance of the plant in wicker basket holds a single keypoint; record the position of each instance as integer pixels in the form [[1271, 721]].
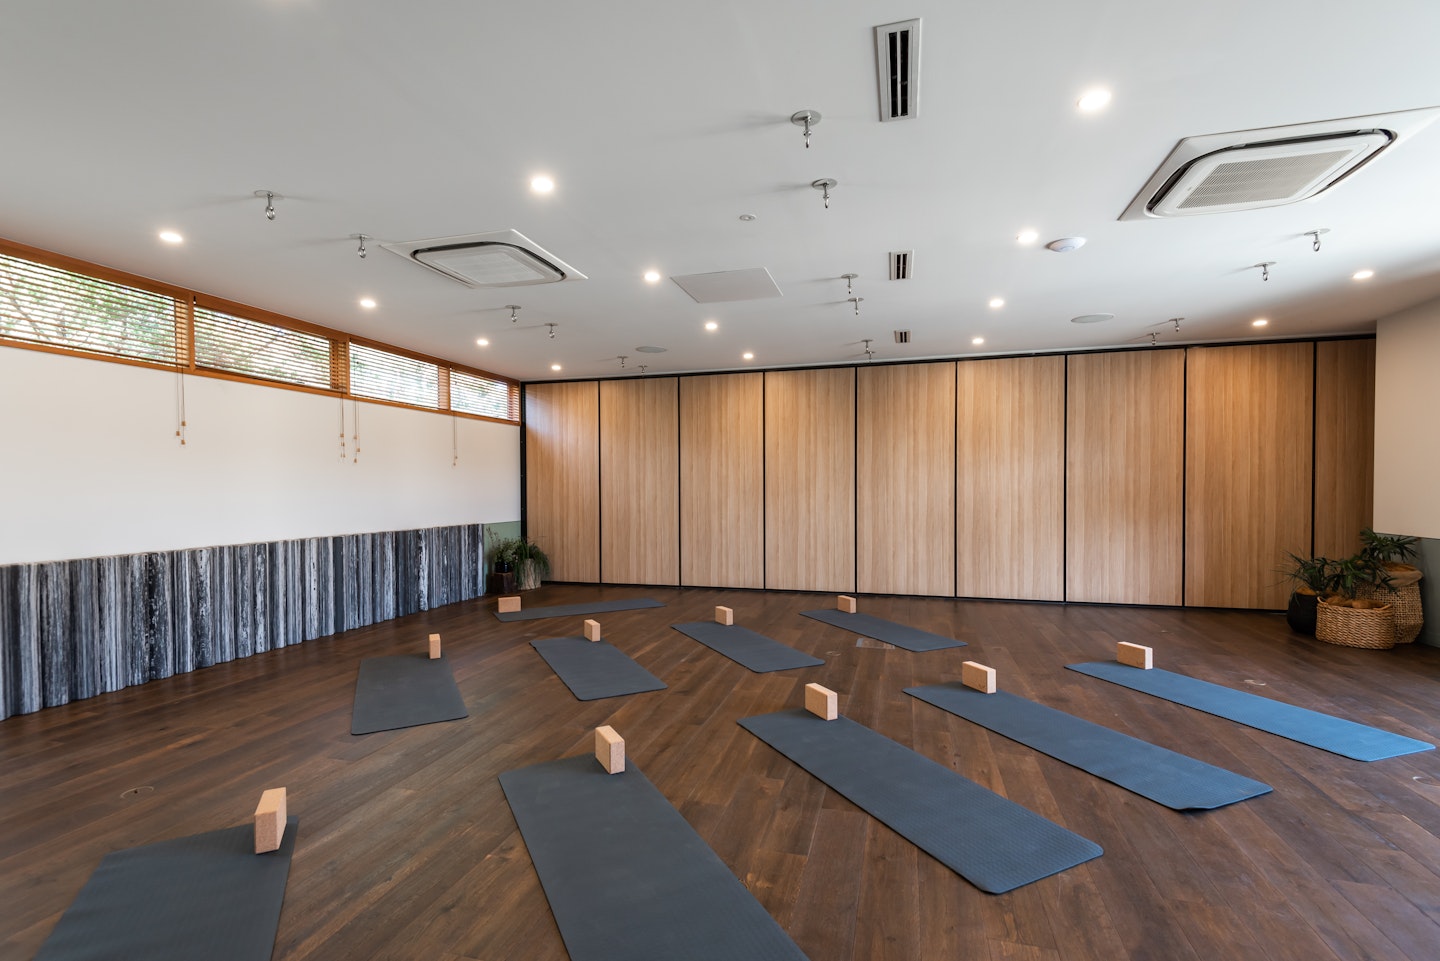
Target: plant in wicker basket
[[1342, 617], [1400, 587]]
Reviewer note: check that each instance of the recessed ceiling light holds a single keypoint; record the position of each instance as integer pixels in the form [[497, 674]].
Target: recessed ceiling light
[[977, 341], [554, 366], [747, 356], [748, 218], [367, 302], [1093, 100], [997, 301], [711, 325], [171, 237], [542, 184], [482, 342], [1362, 274], [1259, 322], [650, 349], [1027, 236], [652, 276], [1092, 318]]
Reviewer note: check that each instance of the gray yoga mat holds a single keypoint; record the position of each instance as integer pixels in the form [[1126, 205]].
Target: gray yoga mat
[[1324, 731], [626, 876], [759, 653], [1163, 776], [993, 843], [574, 610], [205, 896], [404, 691], [595, 669], [910, 638]]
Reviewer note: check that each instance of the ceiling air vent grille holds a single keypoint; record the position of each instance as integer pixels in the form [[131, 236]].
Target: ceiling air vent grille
[[902, 336], [900, 264], [498, 258], [897, 62]]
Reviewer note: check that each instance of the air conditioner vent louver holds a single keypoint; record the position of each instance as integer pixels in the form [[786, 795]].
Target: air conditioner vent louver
[[901, 262], [897, 62], [1248, 169], [902, 336]]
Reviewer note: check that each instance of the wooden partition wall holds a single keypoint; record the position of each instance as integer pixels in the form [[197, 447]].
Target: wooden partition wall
[[722, 480], [639, 480], [905, 479], [810, 480], [1125, 473], [1010, 478], [562, 479], [1344, 444], [1248, 455], [1159, 476]]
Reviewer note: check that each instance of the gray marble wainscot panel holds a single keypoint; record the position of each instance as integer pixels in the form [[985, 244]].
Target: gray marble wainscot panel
[[57, 659], [384, 567], [87, 674], [20, 634], [112, 603]]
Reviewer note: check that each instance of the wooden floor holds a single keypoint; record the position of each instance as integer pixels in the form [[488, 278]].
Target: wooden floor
[[407, 848]]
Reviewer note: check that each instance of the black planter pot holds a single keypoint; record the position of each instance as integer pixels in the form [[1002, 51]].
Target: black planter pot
[[1300, 614]]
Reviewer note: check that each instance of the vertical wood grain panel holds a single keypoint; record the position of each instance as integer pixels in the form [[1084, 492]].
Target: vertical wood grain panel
[[639, 475], [1247, 471], [1010, 478], [905, 495], [1344, 444], [722, 471], [810, 480], [562, 476], [1124, 477]]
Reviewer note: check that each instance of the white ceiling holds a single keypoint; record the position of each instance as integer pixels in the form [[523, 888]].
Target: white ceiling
[[663, 122]]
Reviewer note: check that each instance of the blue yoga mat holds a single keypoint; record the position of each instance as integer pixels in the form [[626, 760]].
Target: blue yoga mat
[[1163, 776], [626, 876], [405, 690], [993, 843], [576, 610], [901, 635], [759, 653], [204, 896], [595, 669], [1324, 731]]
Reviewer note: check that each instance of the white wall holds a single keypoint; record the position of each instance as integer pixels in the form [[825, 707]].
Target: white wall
[[1407, 443], [90, 465]]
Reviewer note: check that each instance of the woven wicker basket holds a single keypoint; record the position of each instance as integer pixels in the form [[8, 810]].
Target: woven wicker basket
[[1403, 595], [1372, 628]]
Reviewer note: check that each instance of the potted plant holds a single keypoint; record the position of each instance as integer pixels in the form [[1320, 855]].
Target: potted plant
[[1308, 574], [1343, 616], [1400, 587], [526, 559]]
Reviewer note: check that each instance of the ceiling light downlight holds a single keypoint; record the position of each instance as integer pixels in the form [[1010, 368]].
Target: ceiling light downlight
[[171, 237], [1094, 100], [1362, 274], [497, 258], [1027, 236]]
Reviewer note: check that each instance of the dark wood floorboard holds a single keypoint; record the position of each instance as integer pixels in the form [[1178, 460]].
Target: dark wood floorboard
[[408, 850]]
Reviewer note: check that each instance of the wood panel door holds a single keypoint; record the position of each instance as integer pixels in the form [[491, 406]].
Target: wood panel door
[[1248, 463], [1010, 478], [810, 480], [1124, 477], [722, 480], [1344, 444], [640, 481], [562, 476], [905, 491]]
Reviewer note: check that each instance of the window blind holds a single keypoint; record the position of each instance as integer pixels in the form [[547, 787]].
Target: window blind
[[238, 345], [486, 396], [388, 376], [48, 305]]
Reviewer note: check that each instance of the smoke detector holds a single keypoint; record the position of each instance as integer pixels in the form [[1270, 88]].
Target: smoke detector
[[1248, 169], [1066, 244], [498, 258]]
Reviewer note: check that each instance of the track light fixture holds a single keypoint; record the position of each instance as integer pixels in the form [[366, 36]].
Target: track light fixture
[[823, 185], [514, 310], [1314, 236], [1265, 269], [806, 119], [622, 358], [849, 283], [856, 301], [552, 330], [361, 250], [270, 198]]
